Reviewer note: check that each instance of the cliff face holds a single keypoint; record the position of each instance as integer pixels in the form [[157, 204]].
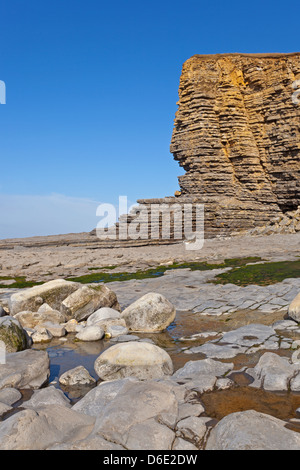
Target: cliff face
[[237, 136]]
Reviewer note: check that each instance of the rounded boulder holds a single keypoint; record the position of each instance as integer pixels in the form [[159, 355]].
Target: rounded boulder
[[133, 359], [150, 314]]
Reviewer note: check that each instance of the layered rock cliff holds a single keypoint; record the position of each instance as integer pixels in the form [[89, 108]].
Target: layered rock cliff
[[237, 136]]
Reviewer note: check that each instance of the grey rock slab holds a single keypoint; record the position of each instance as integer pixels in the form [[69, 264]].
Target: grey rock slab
[[37, 430], [192, 428], [25, 369], [4, 408], [207, 367], [217, 351], [251, 430], [149, 435], [182, 444], [136, 403], [10, 395], [273, 372], [90, 443], [46, 396], [96, 399], [248, 335]]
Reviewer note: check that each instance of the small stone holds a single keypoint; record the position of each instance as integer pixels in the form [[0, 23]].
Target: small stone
[[77, 376], [90, 333]]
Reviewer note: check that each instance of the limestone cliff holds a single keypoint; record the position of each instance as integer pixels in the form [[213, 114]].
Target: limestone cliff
[[237, 136]]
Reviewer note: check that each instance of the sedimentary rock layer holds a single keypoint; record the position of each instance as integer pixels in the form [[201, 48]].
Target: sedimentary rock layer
[[237, 136]]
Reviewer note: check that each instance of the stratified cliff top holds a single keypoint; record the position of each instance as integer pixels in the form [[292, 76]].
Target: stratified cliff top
[[237, 131]]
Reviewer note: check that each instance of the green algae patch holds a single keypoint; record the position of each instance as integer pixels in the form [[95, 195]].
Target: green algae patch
[[160, 270], [261, 274], [19, 282]]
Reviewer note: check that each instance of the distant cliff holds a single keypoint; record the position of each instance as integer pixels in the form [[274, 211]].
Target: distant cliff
[[237, 136]]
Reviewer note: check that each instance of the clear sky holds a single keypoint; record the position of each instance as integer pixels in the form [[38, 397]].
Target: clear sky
[[91, 92]]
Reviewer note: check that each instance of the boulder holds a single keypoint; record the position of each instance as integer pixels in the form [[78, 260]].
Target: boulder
[[12, 334], [294, 309], [127, 418], [30, 319], [103, 314], [46, 396], [273, 372], [77, 376], [90, 333], [25, 369], [52, 293], [251, 430], [86, 300], [39, 429], [138, 359], [41, 335], [151, 313]]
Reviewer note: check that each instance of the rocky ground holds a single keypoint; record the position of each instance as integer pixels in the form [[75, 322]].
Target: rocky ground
[[183, 363]]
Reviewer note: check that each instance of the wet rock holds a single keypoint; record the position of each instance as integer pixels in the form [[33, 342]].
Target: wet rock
[[151, 313], [12, 334], [251, 430], [139, 359]]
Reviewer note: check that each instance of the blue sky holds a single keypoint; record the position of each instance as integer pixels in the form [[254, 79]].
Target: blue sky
[[91, 92]]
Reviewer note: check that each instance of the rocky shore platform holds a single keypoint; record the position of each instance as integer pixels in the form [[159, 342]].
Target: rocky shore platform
[[193, 350]]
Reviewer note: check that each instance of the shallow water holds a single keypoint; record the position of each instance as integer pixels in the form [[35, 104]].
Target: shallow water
[[65, 355]]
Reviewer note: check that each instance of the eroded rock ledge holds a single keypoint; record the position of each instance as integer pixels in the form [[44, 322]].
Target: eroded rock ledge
[[237, 136]]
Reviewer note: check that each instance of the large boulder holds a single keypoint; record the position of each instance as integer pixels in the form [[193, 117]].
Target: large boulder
[[137, 359], [51, 293], [25, 369], [86, 300], [151, 313], [31, 319], [127, 419], [39, 429], [294, 309], [12, 335], [251, 430]]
